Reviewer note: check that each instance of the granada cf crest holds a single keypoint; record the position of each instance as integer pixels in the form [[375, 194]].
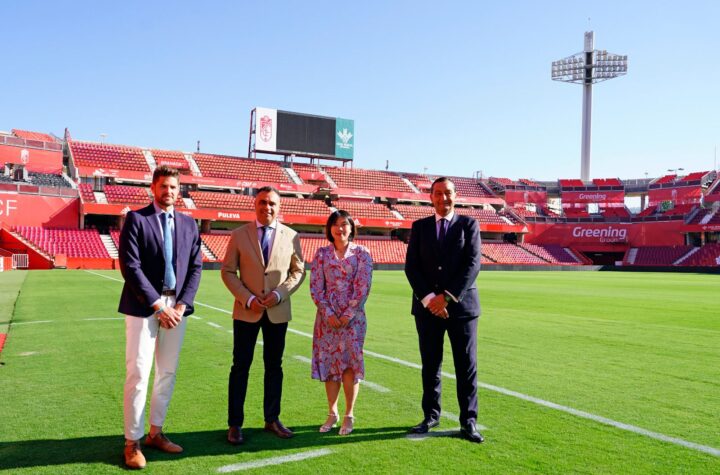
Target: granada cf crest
[[266, 126], [25, 156]]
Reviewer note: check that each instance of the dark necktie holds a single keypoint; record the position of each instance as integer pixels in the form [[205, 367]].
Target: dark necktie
[[265, 244], [168, 252], [441, 233]]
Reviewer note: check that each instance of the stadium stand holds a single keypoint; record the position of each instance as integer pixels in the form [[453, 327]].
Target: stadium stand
[[309, 173], [86, 192], [529, 182], [602, 182], [558, 253], [544, 253], [471, 187], [615, 212], [360, 209], [71, 242], [576, 213], [525, 213], [571, 183], [48, 179], [503, 182], [171, 158], [414, 212], [679, 210], [117, 157], [383, 251], [236, 168], [29, 135], [303, 206], [120, 194], [510, 254], [691, 178], [359, 179], [217, 243], [209, 199], [482, 215], [656, 255], [708, 255], [663, 180]]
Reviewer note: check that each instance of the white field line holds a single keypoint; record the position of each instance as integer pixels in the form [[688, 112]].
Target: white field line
[[370, 385], [274, 461], [31, 323], [525, 397], [194, 317], [214, 325]]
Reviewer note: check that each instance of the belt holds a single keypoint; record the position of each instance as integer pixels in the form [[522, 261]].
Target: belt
[[168, 293]]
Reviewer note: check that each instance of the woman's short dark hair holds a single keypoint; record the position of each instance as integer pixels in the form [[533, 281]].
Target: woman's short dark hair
[[332, 219]]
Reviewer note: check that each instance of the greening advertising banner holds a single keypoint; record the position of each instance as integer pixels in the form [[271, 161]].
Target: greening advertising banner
[[344, 138]]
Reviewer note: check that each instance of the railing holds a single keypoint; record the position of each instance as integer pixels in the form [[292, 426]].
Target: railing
[[20, 261], [9, 140], [38, 190]]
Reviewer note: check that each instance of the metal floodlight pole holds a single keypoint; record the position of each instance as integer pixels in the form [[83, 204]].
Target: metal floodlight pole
[[587, 108], [587, 68]]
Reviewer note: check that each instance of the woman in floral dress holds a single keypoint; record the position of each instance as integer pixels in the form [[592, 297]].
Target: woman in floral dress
[[340, 279]]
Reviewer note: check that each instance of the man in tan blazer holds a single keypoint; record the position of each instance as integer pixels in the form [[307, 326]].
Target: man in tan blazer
[[263, 266]]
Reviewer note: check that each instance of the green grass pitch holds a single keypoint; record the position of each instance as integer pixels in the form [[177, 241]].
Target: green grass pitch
[[641, 350]]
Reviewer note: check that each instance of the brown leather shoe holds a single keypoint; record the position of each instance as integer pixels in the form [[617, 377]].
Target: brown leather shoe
[[161, 442], [278, 429], [134, 457], [235, 435]]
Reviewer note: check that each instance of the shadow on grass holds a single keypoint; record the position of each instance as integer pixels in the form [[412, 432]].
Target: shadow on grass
[[108, 449]]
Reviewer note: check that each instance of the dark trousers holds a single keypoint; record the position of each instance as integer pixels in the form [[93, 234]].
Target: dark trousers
[[463, 340], [244, 339]]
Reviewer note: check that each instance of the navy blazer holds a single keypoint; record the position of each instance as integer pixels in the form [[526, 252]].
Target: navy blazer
[[452, 266], [142, 261]]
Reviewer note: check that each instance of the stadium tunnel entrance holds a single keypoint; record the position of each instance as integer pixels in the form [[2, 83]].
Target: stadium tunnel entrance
[[607, 254]]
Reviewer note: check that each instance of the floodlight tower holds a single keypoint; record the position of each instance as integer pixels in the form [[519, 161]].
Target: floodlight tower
[[587, 68]]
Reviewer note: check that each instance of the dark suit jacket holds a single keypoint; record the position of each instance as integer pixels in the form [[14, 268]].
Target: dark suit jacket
[[142, 261], [454, 266]]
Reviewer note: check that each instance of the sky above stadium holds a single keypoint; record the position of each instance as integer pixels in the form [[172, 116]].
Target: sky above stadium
[[448, 87]]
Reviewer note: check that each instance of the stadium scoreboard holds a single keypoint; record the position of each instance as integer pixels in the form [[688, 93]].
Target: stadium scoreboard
[[291, 133]]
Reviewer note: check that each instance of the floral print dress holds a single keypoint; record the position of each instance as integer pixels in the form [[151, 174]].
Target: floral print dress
[[339, 287]]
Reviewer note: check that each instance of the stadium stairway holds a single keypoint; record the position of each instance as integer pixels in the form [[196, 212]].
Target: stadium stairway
[[209, 255], [109, 244], [686, 256], [293, 176], [193, 164], [100, 197], [150, 159], [631, 255]]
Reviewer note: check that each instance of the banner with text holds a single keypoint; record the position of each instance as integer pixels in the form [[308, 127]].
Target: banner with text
[[592, 196]]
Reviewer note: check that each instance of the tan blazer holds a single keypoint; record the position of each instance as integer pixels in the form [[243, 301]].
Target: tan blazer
[[244, 272]]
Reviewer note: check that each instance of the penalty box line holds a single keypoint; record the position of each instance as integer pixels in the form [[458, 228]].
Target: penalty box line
[[525, 397]]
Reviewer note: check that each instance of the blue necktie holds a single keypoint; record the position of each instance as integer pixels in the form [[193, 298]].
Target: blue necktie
[[265, 244], [168, 252], [441, 233]]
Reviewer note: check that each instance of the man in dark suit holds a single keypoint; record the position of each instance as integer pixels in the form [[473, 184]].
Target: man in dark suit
[[263, 267], [161, 261], [442, 263]]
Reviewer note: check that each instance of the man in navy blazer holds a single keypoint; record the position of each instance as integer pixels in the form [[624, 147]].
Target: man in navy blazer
[[442, 264], [161, 261]]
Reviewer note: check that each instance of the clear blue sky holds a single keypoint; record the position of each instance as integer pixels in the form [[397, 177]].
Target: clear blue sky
[[456, 87]]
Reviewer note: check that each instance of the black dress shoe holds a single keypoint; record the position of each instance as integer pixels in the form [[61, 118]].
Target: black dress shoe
[[279, 429], [424, 426], [235, 436], [470, 432]]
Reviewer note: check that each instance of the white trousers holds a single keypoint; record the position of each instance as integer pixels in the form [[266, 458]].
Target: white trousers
[[146, 341]]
